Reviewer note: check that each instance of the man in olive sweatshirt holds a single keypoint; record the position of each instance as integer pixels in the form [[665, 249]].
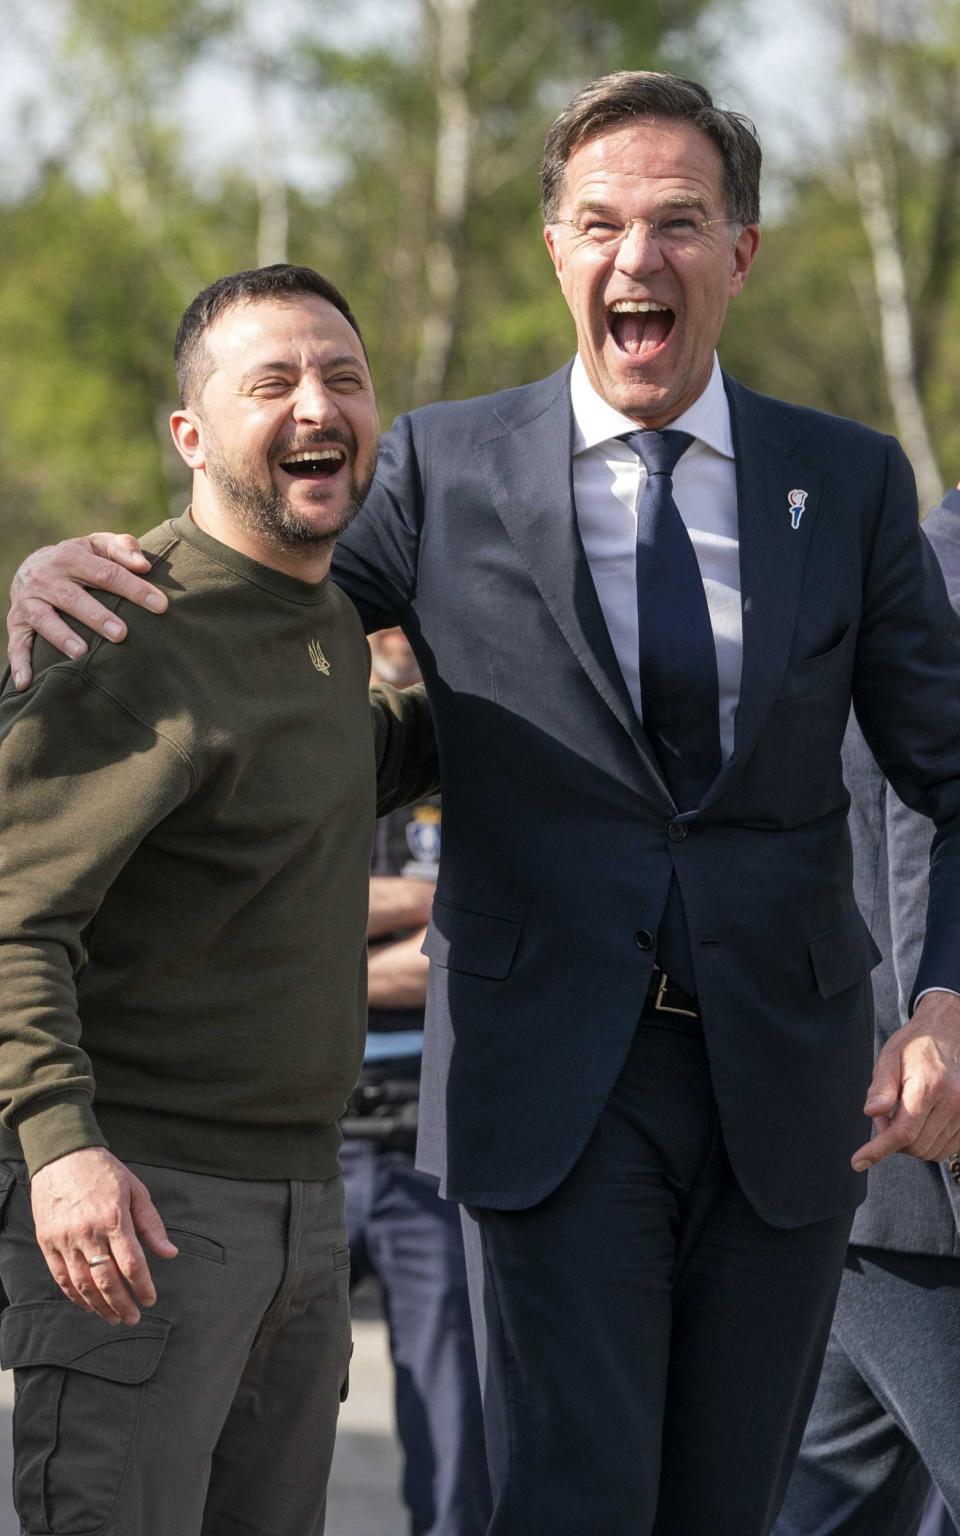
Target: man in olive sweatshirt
[[185, 830]]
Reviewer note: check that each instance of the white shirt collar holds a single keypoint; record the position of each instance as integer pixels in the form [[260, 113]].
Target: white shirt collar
[[595, 422]]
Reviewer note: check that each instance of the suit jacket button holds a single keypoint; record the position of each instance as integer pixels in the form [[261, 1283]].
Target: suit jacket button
[[677, 831], [643, 938]]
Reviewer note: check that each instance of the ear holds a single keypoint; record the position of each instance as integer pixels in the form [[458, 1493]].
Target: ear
[[745, 249], [185, 430], [553, 246]]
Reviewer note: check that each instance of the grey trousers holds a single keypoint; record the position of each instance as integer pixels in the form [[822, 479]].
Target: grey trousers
[[216, 1414], [885, 1419]]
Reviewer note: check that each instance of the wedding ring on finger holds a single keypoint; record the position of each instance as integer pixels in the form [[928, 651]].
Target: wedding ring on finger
[[101, 1258]]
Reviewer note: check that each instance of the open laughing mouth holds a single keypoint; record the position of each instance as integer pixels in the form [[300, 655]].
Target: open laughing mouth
[[314, 463], [640, 327]]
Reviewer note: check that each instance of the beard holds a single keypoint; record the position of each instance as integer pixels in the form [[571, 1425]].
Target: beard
[[269, 515]]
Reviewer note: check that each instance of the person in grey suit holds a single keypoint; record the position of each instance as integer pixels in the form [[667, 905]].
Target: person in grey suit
[[885, 1418]]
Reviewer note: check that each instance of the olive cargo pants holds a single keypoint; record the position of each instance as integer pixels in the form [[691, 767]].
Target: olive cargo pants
[[216, 1414]]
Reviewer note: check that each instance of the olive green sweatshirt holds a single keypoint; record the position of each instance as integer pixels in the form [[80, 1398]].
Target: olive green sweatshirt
[[185, 831]]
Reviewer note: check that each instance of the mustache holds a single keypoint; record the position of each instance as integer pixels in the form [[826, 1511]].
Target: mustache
[[301, 442]]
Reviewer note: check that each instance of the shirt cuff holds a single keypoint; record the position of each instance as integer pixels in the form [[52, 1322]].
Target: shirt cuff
[[949, 991]]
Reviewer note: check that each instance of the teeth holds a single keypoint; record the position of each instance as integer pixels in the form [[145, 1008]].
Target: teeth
[[309, 455], [638, 307]]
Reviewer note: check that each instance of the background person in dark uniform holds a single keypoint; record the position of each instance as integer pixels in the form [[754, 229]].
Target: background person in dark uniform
[[397, 1224]]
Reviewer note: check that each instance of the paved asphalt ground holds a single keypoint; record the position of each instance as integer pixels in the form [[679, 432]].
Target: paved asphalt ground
[[363, 1497]]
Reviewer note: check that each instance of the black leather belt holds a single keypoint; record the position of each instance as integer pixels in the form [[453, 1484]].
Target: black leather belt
[[664, 996]]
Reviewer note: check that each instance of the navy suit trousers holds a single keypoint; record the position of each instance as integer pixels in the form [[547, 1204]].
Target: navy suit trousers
[[649, 1348]]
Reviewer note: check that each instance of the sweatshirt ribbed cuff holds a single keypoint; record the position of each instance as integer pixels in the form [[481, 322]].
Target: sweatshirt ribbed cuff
[[56, 1129]]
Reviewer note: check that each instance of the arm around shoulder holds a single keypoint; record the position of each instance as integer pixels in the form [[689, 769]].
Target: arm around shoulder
[[406, 748], [54, 581]]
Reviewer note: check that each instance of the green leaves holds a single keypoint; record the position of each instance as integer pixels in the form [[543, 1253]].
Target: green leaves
[[99, 259]]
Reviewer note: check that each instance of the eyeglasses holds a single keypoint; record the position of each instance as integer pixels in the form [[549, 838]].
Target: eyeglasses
[[671, 231]]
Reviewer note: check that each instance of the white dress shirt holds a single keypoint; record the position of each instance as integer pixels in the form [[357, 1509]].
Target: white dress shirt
[[607, 476]]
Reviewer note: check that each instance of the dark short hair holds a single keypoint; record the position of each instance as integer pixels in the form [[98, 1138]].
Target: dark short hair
[[632, 93], [279, 281]]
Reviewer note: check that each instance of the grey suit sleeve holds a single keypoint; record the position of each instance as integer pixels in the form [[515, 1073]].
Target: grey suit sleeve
[[870, 797], [909, 838]]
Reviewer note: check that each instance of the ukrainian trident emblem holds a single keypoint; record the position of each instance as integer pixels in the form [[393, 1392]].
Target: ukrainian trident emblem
[[796, 501], [317, 657]]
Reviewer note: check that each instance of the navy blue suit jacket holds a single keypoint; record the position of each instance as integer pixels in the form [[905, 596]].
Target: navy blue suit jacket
[[557, 856]]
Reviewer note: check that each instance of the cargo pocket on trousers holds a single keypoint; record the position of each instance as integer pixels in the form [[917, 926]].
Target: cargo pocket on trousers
[[79, 1391], [8, 1182]]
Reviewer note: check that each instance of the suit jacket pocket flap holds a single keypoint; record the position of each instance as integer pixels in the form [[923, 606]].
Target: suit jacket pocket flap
[[58, 1333], [842, 957], [471, 941]]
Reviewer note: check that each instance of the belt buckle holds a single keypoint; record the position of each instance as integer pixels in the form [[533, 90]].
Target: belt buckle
[[661, 1007]]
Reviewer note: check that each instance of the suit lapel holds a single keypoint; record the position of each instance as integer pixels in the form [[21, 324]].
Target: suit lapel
[[527, 466], [773, 554], [528, 471]]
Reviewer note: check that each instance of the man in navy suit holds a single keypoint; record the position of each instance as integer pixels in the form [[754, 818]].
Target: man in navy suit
[[648, 1031]]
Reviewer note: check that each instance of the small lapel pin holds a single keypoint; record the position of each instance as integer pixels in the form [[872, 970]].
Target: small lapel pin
[[796, 501]]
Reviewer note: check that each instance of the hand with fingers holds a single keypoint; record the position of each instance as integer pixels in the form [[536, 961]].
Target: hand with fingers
[[54, 581], [914, 1097], [90, 1212]]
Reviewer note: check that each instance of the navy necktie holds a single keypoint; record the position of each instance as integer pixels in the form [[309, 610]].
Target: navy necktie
[[678, 658], [679, 690]]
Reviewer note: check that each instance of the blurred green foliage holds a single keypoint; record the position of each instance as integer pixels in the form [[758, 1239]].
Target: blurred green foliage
[[804, 328], [88, 309], [116, 234]]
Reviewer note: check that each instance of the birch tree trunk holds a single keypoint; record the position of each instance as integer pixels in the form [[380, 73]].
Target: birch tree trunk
[[896, 324], [273, 215], [932, 327], [453, 20], [876, 194]]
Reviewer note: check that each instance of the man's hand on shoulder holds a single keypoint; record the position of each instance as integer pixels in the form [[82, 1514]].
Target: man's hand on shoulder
[[914, 1097], [54, 581], [89, 1206]]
